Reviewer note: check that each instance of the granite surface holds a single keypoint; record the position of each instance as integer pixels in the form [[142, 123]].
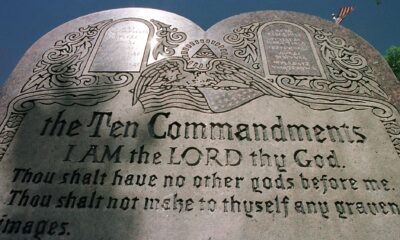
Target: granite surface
[[138, 124]]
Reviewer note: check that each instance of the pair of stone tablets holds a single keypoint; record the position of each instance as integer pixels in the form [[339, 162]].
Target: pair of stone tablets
[[138, 124]]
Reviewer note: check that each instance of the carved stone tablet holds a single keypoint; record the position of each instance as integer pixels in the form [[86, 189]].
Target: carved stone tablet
[[138, 124]]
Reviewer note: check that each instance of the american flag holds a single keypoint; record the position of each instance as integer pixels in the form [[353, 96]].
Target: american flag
[[156, 98], [344, 11]]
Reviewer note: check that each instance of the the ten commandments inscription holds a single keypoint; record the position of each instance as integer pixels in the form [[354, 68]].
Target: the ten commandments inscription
[[137, 124]]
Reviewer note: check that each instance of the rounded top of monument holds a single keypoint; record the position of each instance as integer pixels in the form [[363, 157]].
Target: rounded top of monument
[[336, 58]]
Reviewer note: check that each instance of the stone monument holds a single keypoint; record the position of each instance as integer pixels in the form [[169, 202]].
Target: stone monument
[[138, 124]]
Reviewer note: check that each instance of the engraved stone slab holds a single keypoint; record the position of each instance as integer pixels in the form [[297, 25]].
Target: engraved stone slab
[[120, 39], [138, 124], [288, 50]]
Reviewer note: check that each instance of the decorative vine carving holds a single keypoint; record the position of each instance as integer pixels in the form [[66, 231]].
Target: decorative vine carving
[[243, 39], [349, 70], [393, 129], [61, 66], [9, 130], [382, 109], [106, 79], [60, 77], [168, 39], [64, 98], [26, 102]]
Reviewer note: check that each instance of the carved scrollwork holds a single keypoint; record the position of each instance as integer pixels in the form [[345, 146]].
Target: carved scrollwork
[[106, 79], [25, 103], [393, 129], [61, 66], [382, 109], [349, 70], [168, 39], [9, 130], [243, 39], [338, 102], [58, 78]]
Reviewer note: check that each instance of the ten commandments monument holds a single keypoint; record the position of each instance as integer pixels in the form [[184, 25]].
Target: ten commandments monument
[[138, 124]]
